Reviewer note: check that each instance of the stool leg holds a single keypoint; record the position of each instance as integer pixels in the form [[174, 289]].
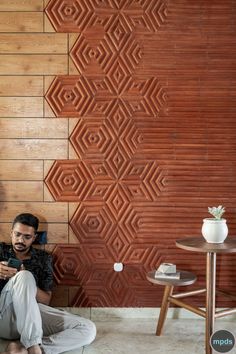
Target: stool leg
[[164, 308]]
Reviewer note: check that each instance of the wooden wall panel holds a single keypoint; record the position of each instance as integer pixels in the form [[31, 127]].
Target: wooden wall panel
[[21, 191], [21, 22], [21, 106], [34, 64], [146, 146], [22, 170], [41, 128], [33, 149], [21, 5], [134, 140], [21, 86], [53, 43], [46, 212]]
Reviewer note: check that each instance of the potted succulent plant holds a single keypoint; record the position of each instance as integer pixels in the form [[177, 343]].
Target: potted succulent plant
[[215, 230]]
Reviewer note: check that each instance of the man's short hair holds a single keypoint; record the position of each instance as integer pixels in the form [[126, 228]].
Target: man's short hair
[[27, 219]]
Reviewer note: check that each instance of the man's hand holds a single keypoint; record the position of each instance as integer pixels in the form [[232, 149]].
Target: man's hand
[[5, 271]]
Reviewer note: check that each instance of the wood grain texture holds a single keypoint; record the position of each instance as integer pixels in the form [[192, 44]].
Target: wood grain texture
[[21, 5], [21, 22], [33, 64], [21, 86], [33, 128], [154, 146], [21, 191], [54, 43], [47, 25], [149, 89], [46, 212], [21, 106], [22, 170], [33, 149]]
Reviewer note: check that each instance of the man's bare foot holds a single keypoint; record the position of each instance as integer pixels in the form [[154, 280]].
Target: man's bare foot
[[35, 349], [16, 348]]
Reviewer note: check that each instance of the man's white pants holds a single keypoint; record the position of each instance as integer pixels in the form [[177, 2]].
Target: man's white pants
[[21, 317]]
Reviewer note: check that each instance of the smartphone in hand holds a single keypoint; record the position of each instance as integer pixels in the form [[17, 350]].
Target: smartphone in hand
[[14, 263]]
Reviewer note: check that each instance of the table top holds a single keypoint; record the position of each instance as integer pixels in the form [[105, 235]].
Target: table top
[[198, 244], [186, 278]]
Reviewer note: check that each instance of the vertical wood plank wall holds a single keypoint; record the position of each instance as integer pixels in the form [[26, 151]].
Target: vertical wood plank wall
[[117, 129]]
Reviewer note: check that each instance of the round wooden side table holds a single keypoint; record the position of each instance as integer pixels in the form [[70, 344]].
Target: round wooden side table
[[198, 244]]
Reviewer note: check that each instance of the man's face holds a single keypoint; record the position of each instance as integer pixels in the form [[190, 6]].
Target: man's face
[[22, 237]]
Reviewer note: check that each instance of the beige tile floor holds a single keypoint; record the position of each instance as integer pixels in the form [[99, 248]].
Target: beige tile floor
[[137, 336]]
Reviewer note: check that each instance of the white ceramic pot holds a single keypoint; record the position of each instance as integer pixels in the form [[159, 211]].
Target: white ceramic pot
[[214, 231]]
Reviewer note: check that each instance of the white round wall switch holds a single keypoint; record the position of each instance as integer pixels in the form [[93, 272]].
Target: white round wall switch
[[118, 267]]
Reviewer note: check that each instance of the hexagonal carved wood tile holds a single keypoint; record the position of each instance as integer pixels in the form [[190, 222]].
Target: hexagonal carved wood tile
[[119, 17], [79, 96]]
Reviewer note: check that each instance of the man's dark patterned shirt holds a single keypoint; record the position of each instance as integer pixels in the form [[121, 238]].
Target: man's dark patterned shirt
[[40, 265]]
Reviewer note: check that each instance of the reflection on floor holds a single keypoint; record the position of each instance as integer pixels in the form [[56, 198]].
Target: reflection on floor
[[137, 336]]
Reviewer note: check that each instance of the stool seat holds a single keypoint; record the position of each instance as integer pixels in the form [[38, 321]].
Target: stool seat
[[186, 278]]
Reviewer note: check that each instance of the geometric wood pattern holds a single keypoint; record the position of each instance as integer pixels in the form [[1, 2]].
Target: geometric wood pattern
[[69, 265], [117, 96], [152, 84], [73, 180], [108, 53], [117, 17]]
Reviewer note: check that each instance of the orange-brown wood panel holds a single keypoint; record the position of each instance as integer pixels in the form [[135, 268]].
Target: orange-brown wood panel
[[37, 128], [34, 64], [21, 5], [33, 149], [21, 22], [152, 89], [31, 191], [22, 170], [54, 43], [149, 147], [21, 86], [46, 212], [21, 106]]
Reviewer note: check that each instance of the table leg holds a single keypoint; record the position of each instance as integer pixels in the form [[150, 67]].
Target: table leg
[[164, 308], [210, 298]]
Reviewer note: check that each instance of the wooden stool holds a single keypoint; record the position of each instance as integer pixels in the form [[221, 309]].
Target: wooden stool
[[186, 278]]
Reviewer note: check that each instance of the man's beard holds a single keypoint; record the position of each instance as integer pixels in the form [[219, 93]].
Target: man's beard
[[21, 249]]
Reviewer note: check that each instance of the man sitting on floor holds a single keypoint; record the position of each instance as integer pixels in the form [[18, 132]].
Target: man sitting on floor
[[26, 294]]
